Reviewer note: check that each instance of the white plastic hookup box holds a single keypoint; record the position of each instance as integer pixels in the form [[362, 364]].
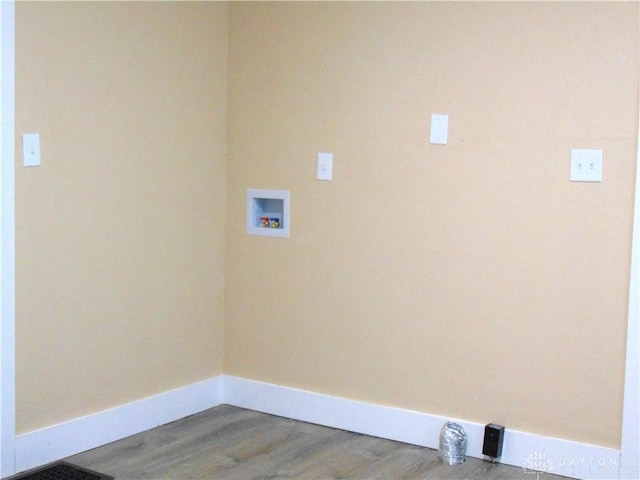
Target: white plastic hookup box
[[268, 212]]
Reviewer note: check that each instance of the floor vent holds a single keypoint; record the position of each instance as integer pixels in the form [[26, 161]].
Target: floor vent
[[61, 471]]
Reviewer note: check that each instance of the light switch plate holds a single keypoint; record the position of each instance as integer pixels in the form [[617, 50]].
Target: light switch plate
[[439, 129], [31, 149], [586, 165], [325, 166]]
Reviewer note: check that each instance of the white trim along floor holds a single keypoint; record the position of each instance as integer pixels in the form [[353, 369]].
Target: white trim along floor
[[522, 449]]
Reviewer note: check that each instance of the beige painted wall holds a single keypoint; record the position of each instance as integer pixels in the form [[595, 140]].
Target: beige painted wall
[[120, 232], [471, 280]]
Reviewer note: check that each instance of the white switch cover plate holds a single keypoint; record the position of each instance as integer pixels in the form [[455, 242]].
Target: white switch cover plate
[[31, 149], [586, 165], [439, 128], [325, 166]]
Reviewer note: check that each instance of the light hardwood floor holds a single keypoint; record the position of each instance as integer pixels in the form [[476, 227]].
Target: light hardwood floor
[[234, 443]]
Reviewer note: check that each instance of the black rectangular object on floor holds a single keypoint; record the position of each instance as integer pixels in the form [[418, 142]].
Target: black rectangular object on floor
[[493, 438], [61, 471]]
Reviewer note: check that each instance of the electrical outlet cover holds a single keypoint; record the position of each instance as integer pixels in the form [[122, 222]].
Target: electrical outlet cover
[[586, 165], [31, 149], [325, 166]]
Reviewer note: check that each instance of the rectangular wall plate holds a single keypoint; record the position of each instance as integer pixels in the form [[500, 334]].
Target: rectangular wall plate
[[439, 129], [325, 166], [586, 165], [31, 149]]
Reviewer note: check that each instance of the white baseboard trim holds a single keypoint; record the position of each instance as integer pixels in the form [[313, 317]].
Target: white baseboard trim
[[521, 449], [78, 435]]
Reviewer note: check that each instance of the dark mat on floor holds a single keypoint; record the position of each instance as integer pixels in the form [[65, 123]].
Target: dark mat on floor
[[61, 471]]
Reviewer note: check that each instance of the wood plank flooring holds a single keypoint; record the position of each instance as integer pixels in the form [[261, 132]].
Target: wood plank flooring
[[227, 442]]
